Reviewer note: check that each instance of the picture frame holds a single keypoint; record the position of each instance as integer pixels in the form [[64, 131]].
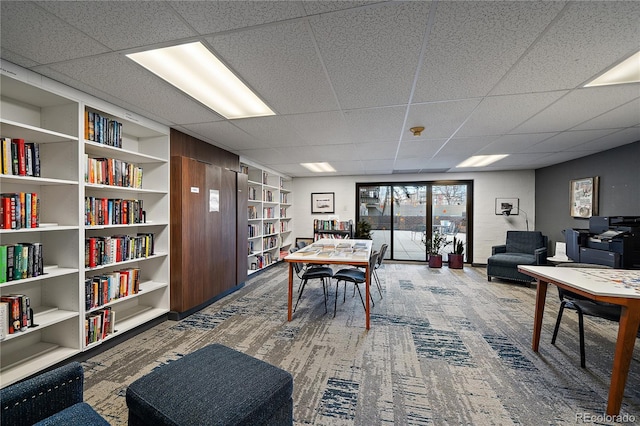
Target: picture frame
[[323, 202], [583, 197], [509, 205]]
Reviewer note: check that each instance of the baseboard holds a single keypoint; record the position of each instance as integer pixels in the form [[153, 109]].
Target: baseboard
[[176, 316]]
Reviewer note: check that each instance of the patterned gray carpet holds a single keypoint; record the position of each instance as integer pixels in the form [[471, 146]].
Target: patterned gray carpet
[[445, 347]]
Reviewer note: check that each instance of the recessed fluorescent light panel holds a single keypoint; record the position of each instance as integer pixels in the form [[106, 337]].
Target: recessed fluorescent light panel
[[627, 71], [193, 69], [481, 160], [318, 167]]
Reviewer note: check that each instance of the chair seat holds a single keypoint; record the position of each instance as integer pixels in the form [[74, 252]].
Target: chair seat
[[510, 259], [350, 274], [317, 272]]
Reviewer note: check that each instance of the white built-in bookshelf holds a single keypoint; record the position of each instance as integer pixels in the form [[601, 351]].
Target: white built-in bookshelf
[[42, 111], [268, 216]]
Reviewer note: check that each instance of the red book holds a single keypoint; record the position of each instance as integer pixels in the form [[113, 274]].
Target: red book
[[34, 210], [22, 159], [92, 252]]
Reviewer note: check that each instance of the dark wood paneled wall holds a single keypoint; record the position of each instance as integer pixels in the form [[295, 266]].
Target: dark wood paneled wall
[[204, 245]]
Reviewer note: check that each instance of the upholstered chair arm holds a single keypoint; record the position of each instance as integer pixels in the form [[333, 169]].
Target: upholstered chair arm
[[42, 396], [502, 248], [541, 256]]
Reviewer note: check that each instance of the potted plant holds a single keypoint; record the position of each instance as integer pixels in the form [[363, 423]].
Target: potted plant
[[363, 230], [434, 244], [456, 258]]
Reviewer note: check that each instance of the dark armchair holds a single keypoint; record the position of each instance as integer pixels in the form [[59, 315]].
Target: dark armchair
[[521, 248]]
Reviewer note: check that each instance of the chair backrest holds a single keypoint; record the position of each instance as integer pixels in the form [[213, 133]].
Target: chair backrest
[[383, 251], [525, 241], [298, 268], [301, 244], [373, 259]]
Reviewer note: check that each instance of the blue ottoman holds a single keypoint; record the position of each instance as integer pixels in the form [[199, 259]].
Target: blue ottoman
[[215, 385]]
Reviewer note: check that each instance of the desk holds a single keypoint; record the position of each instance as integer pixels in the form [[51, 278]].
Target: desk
[[333, 252], [618, 286]]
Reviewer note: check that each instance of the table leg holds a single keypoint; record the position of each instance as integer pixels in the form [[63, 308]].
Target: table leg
[[290, 297], [541, 295], [367, 296], [627, 330]]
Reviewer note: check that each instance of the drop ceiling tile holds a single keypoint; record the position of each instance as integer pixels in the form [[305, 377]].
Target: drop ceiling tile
[[122, 24], [264, 156], [424, 148], [511, 144], [371, 54], [613, 140], [224, 132], [116, 77], [208, 17], [280, 63], [500, 114], [465, 146], [376, 150], [473, 44], [567, 140], [626, 115], [587, 38], [318, 7], [376, 167], [415, 163], [321, 127], [577, 107], [376, 124], [50, 39], [274, 131], [439, 119]]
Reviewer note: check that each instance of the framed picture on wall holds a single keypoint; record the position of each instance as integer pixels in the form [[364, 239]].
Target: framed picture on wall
[[583, 197], [507, 206], [323, 202]]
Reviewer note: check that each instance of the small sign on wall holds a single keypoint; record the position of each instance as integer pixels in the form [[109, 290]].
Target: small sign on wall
[[214, 200]]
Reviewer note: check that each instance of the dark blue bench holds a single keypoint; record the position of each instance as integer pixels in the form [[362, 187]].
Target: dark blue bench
[[215, 385]]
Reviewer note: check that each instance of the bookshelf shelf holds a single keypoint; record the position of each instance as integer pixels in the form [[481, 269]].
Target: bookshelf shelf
[[52, 115], [265, 199]]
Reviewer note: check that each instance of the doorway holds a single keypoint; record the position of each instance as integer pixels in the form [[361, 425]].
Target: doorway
[[405, 214]]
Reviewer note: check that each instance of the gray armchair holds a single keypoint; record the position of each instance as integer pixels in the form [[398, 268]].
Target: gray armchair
[[521, 248], [51, 398]]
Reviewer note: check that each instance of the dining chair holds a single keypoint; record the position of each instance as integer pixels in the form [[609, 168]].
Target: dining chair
[[583, 306], [383, 251], [312, 273], [356, 276]]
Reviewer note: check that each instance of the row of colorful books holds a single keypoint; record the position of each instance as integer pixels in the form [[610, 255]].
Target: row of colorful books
[[269, 243], [254, 231], [113, 211], [111, 171], [20, 158], [102, 289], [100, 251], [101, 129], [15, 314], [99, 324], [332, 225], [20, 261], [19, 210]]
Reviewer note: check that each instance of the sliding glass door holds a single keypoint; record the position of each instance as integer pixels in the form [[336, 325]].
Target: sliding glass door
[[405, 214]]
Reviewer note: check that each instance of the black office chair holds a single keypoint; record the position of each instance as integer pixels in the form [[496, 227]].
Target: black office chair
[[383, 251], [357, 277], [312, 273], [583, 306]]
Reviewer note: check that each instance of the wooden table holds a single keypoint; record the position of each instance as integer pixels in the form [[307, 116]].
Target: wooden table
[[333, 252], [618, 286]]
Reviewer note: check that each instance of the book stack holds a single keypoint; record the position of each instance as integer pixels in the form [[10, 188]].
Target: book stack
[[19, 210], [254, 231], [268, 212], [98, 325], [15, 314], [269, 243], [100, 251], [113, 211], [102, 289], [103, 130], [20, 261], [253, 212], [268, 228], [20, 158], [114, 172]]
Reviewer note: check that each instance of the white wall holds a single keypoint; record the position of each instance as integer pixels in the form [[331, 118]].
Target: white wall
[[489, 229]]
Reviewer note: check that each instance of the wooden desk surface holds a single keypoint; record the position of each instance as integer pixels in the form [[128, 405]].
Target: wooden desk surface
[[338, 251]]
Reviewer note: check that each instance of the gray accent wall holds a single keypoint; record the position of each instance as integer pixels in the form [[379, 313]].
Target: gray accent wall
[[619, 190]]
